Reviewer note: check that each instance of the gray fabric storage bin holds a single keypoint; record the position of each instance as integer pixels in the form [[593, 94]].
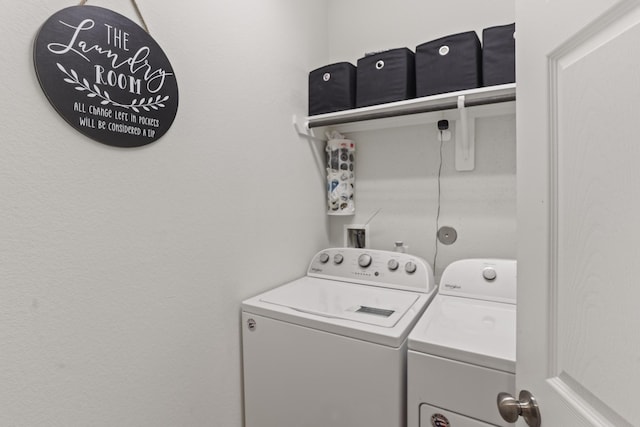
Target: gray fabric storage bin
[[385, 77], [449, 64], [332, 88], [499, 55]]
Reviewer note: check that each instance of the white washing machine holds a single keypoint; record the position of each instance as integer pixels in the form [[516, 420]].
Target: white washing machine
[[462, 352], [329, 349]]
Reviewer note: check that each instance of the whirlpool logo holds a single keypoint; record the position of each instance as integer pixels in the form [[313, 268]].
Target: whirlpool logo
[[452, 286]]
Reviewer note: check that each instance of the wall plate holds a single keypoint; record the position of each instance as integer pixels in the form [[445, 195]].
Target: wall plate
[[356, 235], [447, 235]]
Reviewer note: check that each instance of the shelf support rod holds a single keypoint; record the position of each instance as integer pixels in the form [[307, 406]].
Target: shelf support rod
[[448, 104], [465, 138]]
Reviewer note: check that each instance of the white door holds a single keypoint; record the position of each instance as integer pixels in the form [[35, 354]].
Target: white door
[[578, 133]]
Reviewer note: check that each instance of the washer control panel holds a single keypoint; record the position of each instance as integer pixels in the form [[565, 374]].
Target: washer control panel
[[373, 267]]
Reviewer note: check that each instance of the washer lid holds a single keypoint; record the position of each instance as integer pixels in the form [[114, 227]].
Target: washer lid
[[378, 315], [328, 298], [468, 330]]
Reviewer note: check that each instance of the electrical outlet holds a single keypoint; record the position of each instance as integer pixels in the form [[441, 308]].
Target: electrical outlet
[[356, 236]]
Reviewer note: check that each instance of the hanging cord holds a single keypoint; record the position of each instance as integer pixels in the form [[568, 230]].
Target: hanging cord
[[442, 125], [135, 6]]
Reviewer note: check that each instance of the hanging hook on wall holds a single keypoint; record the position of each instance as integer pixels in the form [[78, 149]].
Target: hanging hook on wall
[[135, 6]]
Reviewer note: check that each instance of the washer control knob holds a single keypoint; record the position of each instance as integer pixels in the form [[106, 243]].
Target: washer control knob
[[410, 267], [338, 258], [364, 260], [489, 274], [324, 257], [393, 264]]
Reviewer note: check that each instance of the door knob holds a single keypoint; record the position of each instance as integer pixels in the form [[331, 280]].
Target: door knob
[[510, 408]]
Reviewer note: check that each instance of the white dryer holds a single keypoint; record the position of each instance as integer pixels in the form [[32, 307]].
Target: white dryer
[[462, 352], [329, 349]]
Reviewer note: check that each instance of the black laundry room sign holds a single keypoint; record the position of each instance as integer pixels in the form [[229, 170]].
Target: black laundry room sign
[[106, 76]]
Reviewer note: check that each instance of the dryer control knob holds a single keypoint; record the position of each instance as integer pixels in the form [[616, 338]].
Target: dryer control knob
[[364, 260], [393, 264], [489, 273], [324, 257], [410, 267], [338, 258]]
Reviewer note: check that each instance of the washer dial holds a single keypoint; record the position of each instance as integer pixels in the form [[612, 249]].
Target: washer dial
[[410, 267], [364, 260]]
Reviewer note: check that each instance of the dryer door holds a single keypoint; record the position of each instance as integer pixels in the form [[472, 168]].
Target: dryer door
[[469, 330]]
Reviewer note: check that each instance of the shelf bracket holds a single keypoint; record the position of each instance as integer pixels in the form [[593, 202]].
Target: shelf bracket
[[317, 149], [465, 138], [303, 129]]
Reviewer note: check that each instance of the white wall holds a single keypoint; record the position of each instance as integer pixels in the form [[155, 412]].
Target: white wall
[[122, 270], [359, 26], [396, 169]]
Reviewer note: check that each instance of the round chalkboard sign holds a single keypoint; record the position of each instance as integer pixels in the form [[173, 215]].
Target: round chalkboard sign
[[106, 76]]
